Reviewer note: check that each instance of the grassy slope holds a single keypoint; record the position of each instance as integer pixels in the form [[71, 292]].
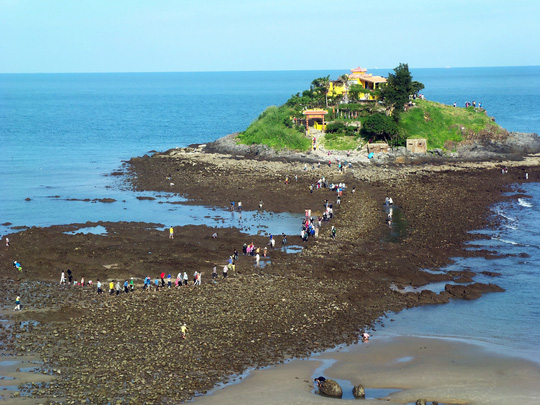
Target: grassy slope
[[439, 123], [436, 122], [269, 129], [342, 143]]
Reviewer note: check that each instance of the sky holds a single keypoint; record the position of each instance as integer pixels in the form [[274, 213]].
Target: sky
[[64, 36]]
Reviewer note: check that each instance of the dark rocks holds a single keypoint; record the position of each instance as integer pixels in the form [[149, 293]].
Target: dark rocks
[[104, 200], [359, 391], [471, 291], [491, 273], [330, 388]]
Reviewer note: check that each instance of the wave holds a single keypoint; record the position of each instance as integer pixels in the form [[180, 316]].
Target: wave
[[501, 213], [510, 242], [524, 203]]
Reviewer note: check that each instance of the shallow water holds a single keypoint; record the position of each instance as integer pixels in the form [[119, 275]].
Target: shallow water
[[63, 134], [346, 385], [502, 322]]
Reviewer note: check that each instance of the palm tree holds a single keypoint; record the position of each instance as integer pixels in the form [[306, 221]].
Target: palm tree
[[322, 84], [345, 80]]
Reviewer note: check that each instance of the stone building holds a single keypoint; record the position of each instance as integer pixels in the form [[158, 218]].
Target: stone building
[[417, 145]]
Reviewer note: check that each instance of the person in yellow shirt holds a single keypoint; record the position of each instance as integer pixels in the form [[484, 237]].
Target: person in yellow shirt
[[111, 288], [171, 233], [183, 330]]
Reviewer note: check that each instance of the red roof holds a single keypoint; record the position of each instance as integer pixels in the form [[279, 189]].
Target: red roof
[[358, 69], [315, 112]]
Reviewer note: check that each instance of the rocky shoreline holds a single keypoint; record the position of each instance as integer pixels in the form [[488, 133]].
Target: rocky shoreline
[[513, 146], [127, 348]]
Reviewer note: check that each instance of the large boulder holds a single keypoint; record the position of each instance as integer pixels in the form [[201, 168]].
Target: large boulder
[[330, 388], [359, 391]]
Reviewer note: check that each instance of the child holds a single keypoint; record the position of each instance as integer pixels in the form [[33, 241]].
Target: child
[[17, 303]]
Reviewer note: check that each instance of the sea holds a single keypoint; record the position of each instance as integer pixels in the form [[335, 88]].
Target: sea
[[61, 136]]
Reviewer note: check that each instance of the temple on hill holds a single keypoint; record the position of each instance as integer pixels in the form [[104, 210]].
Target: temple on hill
[[358, 76]]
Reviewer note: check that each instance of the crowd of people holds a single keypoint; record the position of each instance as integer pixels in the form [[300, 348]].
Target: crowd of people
[[310, 228]]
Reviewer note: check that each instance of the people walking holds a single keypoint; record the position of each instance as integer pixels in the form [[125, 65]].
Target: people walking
[[183, 330], [17, 303]]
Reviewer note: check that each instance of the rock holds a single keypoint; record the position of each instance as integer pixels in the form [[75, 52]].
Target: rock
[[359, 391], [471, 291], [330, 388], [421, 402], [105, 200]]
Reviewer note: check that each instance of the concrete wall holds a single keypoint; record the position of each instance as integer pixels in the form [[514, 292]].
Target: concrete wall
[[417, 145]]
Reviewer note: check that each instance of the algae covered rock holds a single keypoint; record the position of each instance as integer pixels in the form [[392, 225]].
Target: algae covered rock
[[330, 388], [359, 391]]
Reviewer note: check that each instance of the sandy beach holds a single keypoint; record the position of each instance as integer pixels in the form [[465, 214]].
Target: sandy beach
[[449, 372]]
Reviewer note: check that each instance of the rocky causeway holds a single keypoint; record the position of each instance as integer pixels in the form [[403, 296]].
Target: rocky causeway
[[128, 348]]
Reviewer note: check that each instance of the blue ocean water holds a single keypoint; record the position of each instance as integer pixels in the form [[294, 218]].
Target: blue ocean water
[[62, 134]]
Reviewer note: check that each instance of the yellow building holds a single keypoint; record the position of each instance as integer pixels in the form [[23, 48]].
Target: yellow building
[[357, 76]]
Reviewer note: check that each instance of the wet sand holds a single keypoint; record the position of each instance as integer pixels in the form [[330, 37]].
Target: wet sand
[[20, 370], [300, 304], [449, 372]]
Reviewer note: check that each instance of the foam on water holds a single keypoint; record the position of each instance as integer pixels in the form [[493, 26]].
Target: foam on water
[[524, 203]]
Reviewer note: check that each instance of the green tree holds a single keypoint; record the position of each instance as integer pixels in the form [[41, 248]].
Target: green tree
[[417, 86], [322, 86], [355, 91], [380, 127], [398, 88]]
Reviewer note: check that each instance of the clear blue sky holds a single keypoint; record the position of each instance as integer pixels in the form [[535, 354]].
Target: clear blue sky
[[220, 35]]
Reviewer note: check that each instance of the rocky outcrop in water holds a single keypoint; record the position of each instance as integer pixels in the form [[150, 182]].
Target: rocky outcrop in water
[[331, 388], [471, 291], [359, 391]]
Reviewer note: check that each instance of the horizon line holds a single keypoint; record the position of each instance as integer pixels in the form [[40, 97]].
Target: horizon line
[[250, 71]]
